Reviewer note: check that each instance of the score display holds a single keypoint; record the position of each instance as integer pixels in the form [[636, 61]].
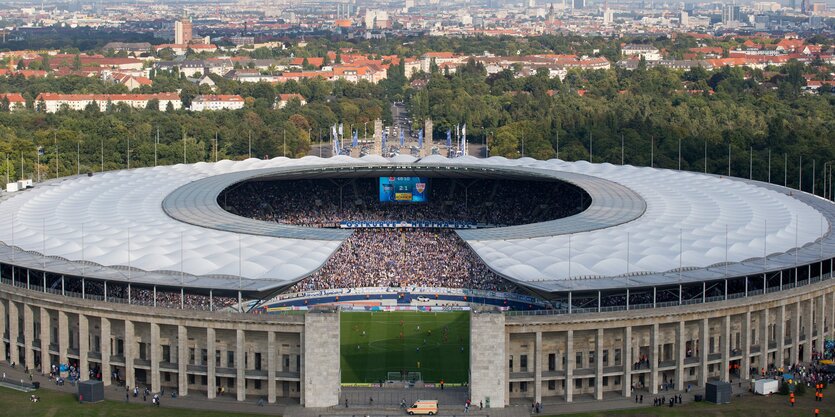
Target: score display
[[403, 189]]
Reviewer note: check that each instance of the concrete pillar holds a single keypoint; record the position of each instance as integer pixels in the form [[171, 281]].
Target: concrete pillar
[[507, 368], [271, 366], [780, 336], [704, 337], [46, 325], [322, 376], [130, 346], [681, 351], [427, 138], [797, 324], [569, 366], [820, 313], [211, 373], [14, 332], [378, 137], [488, 367], [724, 367], [537, 376], [627, 361], [105, 351], [83, 347], [182, 360], [240, 365], [598, 361], [653, 358], [28, 336], [302, 367], [155, 357], [830, 315], [808, 330], [763, 338], [2, 330], [745, 364], [63, 336]]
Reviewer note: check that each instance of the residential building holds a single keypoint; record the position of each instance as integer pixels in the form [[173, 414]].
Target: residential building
[[648, 52], [283, 99], [15, 100], [52, 102], [217, 102], [182, 32]]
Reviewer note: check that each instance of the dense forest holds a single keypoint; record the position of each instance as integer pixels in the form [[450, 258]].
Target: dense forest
[[748, 112]]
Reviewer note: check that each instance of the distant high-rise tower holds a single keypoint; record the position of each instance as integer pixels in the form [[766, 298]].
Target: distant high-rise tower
[[730, 14], [182, 32], [579, 4]]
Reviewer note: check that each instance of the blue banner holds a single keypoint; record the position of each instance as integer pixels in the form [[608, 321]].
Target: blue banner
[[417, 224]]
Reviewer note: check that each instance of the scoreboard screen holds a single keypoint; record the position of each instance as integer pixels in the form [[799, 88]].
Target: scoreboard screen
[[403, 189]]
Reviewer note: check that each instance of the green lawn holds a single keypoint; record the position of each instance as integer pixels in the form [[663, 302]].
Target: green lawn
[[436, 344], [53, 403], [748, 406]]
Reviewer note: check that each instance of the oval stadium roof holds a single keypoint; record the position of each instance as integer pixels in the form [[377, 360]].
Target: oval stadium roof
[[644, 223]]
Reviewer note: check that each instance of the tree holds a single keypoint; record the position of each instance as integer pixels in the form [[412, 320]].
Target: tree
[[76, 63], [153, 104]]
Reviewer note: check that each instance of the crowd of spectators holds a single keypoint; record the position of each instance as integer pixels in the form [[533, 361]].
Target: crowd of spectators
[[400, 258], [144, 295], [326, 203]]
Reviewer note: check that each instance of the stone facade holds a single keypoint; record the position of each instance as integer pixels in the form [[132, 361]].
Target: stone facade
[[322, 377], [487, 345], [514, 357]]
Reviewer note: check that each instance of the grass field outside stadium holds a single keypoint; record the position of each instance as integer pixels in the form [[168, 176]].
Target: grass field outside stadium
[[436, 344]]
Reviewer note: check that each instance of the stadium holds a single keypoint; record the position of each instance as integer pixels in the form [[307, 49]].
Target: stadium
[[515, 281]]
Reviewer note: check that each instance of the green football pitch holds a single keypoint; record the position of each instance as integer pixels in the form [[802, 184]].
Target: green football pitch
[[435, 344]]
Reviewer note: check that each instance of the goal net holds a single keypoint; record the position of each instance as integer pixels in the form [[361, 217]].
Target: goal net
[[403, 376]]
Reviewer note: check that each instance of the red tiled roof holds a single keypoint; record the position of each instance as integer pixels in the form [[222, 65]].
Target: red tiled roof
[[13, 97], [288, 97], [315, 61]]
